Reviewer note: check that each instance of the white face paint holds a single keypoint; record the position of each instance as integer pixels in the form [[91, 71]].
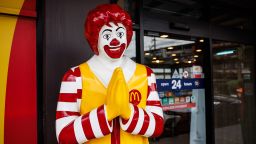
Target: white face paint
[[112, 41]]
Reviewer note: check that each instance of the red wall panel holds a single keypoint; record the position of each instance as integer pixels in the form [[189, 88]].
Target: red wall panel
[[18, 113]]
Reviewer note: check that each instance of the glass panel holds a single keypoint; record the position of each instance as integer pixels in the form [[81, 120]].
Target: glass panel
[[179, 8], [177, 63], [234, 99], [131, 50], [235, 15], [230, 14]]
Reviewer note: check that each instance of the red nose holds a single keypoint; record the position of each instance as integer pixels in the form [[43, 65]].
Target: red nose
[[114, 42]]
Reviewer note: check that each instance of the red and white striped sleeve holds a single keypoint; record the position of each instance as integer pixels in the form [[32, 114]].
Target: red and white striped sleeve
[[149, 121], [71, 126]]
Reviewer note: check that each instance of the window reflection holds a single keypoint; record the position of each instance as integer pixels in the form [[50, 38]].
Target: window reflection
[[131, 50], [170, 51], [233, 90], [176, 59]]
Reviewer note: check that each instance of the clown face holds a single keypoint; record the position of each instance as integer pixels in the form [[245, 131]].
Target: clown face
[[112, 41]]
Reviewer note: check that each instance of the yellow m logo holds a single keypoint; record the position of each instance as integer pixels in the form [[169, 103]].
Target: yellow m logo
[[134, 97]]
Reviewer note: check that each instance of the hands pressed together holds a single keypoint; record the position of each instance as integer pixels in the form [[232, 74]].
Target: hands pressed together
[[117, 101]]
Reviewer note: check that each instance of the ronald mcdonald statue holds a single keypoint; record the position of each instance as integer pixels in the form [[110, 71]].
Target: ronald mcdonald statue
[[109, 99]]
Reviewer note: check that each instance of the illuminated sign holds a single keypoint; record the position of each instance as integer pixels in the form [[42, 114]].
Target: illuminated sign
[[179, 84]]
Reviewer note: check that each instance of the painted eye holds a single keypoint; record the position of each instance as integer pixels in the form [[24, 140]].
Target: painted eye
[[106, 36], [120, 34]]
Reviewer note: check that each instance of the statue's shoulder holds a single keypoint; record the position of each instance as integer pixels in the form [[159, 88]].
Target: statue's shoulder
[[75, 71], [148, 69], [71, 74], [144, 69], [82, 65]]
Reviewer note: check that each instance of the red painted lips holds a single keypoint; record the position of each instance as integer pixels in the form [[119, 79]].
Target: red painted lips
[[115, 51]]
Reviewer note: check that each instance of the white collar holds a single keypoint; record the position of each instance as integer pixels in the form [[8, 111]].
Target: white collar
[[103, 70]]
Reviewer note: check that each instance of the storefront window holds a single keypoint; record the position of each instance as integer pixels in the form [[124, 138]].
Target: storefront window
[[131, 50], [178, 65], [234, 99]]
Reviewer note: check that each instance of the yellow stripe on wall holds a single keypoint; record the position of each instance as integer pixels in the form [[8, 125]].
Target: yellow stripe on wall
[[11, 6], [7, 28]]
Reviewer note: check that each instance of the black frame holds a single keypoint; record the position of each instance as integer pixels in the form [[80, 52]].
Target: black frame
[[140, 34], [40, 69], [209, 105]]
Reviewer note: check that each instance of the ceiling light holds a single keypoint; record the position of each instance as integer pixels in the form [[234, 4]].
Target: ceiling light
[[225, 52], [177, 62], [154, 58], [173, 54], [189, 61], [198, 50], [147, 54], [194, 59], [175, 59], [201, 40], [164, 36], [157, 61], [170, 48], [196, 56]]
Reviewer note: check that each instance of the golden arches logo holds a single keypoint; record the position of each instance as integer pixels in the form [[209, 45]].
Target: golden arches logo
[[134, 97]]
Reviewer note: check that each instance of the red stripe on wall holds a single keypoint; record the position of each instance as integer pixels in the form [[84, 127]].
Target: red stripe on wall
[[29, 8], [20, 110]]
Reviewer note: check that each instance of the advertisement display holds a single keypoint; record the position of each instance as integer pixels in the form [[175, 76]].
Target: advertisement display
[[183, 94], [177, 92]]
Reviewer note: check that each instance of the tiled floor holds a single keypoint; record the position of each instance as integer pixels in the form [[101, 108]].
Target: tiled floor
[[181, 139], [224, 135], [229, 135]]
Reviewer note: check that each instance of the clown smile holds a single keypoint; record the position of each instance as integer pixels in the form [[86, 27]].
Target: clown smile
[[114, 51], [115, 48]]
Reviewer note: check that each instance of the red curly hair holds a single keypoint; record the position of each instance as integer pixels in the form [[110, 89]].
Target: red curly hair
[[102, 15]]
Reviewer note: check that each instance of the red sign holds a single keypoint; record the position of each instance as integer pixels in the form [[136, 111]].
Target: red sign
[[134, 97], [178, 106]]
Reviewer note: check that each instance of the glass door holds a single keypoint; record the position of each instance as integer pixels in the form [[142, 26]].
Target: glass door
[[234, 94], [178, 64]]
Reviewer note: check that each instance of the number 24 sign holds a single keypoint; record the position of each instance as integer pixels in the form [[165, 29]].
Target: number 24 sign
[[176, 84], [179, 84]]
